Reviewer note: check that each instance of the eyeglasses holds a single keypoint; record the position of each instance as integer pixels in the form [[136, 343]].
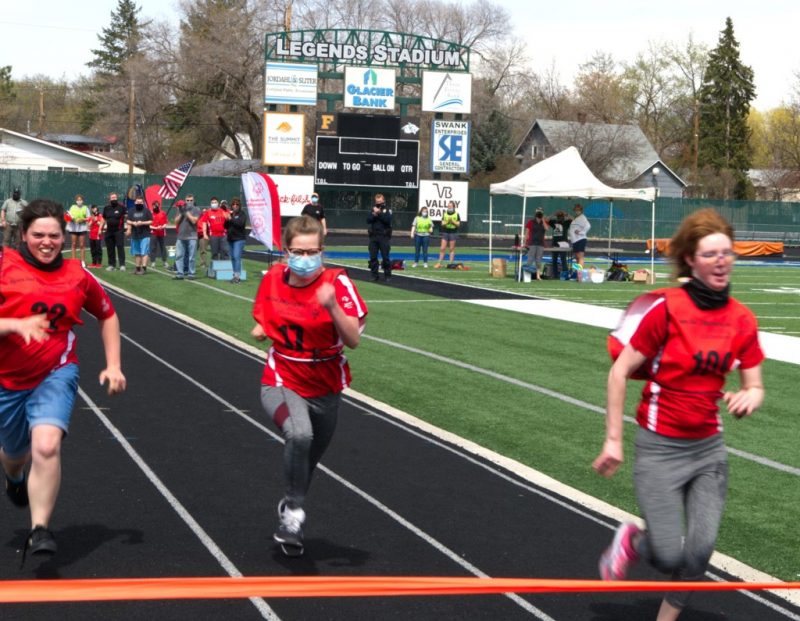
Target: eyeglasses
[[725, 255], [304, 252]]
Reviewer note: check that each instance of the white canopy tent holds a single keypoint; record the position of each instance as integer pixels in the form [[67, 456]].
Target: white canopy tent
[[565, 174]]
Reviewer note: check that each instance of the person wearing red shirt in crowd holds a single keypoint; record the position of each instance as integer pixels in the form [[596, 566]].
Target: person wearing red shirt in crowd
[[215, 229], [682, 342], [158, 232], [310, 313], [96, 236], [41, 299]]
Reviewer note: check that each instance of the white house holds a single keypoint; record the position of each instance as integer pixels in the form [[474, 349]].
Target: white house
[[23, 152]]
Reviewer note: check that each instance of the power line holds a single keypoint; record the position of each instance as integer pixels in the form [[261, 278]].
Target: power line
[[68, 29]]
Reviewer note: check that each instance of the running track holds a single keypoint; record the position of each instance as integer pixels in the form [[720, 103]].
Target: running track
[[180, 477]]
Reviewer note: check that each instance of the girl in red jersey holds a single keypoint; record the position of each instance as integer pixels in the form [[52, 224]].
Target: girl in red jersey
[[682, 341], [310, 313], [41, 298]]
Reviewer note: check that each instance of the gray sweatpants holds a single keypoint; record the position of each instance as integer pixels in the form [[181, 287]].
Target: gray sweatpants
[[307, 425], [680, 481]]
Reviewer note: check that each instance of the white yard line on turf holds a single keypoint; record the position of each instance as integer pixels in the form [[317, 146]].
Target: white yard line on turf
[[177, 506], [776, 346], [726, 563]]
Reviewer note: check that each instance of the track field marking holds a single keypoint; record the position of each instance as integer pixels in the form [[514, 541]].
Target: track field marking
[[437, 545], [183, 513], [724, 562]]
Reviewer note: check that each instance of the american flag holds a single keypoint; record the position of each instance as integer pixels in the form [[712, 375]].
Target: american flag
[[174, 180]]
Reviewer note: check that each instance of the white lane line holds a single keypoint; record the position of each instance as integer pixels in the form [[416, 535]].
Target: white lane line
[[183, 513], [522, 603], [726, 563]]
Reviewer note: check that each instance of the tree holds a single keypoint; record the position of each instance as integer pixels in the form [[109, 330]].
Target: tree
[[602, 95], [6, 93], [120, 41], [725, 100], [490, 140]]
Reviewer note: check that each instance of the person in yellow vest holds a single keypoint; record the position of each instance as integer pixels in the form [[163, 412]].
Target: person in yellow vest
[[78, 227], [450, 224], [421, 229]]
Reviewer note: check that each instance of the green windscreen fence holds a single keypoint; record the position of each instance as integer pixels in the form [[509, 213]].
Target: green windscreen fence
[[347, 209]]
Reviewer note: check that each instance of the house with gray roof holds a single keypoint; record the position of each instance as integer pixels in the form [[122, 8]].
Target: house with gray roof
[[619, 155]]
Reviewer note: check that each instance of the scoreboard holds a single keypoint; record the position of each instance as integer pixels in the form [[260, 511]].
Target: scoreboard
[[368, 151], [371, 162]]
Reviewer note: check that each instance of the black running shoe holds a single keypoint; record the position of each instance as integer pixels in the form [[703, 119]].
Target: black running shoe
[[40, 541], [18, 492]]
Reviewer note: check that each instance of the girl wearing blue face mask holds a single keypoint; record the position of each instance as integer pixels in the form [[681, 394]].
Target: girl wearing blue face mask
[[310, 313]]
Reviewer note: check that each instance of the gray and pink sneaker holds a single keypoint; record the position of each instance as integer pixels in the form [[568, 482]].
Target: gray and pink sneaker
[[621, 554]]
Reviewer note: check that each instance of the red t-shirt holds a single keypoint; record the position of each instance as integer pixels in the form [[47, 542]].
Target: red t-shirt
[[95, 224], [201, 228], [62, 294], [306, 354], [689, 352], [159, 219], [215, 218]]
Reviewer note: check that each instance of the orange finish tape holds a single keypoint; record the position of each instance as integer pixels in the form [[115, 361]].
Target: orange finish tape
[[335, 586]]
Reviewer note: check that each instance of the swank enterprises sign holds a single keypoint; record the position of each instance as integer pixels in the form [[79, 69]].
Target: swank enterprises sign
[[366, 47]]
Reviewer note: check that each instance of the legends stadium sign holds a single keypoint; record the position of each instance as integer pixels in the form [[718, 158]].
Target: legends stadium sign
[[366, 47]]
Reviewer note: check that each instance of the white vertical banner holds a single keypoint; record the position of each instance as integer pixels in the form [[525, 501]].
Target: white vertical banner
[[263, 208]]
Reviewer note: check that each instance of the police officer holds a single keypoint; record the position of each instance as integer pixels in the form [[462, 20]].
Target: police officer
[[379, 228]]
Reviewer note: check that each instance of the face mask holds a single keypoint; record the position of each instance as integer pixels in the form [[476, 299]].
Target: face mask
[[424, 214], [189, 203], [305, 266], [139, 206], [114, 202], [214, 205], [156, 209], [15, 196], [79, 203], [314, 200], [451, 211]]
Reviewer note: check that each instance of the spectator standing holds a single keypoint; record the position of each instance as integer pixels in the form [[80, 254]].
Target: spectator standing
[[315, 210], [683, 342], [449, 227], [578, 231], [78, 226], [237, 234], [536, 229], [43, 297], [559, 225], [139, 220], [9, 218], [114, 227], [96, 236], [186, 244], [158, 235], [379, 229], [202, 240], [421, 229], [215, 219]]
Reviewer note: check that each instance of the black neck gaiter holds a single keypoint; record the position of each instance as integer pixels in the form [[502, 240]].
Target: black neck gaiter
[[45, 267], [704, 297]]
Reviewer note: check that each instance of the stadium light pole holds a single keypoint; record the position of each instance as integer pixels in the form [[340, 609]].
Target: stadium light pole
[[655, 172]]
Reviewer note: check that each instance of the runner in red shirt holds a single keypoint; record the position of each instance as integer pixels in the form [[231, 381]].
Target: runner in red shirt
[[41, 298], [682, 342], [310, 313]]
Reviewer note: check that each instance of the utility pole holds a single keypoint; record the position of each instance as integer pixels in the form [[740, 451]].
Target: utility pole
[[131, 119], [41, 113]]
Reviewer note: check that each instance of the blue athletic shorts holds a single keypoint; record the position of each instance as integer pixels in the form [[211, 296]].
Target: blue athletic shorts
[[140, 247], [50, 403]]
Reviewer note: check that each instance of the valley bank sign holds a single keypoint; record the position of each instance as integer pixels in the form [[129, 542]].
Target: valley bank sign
[[369, 47]]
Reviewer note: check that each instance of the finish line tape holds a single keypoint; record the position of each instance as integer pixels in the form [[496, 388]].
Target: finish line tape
[[93, 590]]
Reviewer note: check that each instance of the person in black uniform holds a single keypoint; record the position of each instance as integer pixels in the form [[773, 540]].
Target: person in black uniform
[[114, 223], [315, 210], [379, 228]]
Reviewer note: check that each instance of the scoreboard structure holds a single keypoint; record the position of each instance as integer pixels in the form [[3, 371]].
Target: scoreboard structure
[[368, 151]]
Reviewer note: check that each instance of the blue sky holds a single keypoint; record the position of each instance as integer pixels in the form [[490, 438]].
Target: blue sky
[[55, 38]]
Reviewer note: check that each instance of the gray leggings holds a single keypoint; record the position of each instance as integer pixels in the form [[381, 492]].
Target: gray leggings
[[307, 425], [678, 479]]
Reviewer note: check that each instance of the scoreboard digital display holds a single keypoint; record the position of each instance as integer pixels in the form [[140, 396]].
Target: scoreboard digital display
[[369, 162]]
